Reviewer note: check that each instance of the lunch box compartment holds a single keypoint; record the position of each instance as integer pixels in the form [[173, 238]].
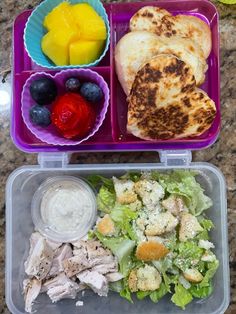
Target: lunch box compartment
[[24, 182], [113, 134]]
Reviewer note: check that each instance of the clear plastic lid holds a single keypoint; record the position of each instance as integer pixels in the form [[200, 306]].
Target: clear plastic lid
[[64, 208]]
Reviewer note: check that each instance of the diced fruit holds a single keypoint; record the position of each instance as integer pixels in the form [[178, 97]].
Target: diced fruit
[[43, 90], [59, 17], [56, 42], [40, 115], [72, 115], [91, 25], [91, 92], [84, 52], [72, 85], [76, 36]]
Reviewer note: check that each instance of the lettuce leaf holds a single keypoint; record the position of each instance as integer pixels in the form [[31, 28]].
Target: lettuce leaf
[[126, 294], [142, 294], [122, 215], [181, 297], [122, 248], [133, 176], [105, 199], [116, 286], [156, 295], [199, 292], [96, 181], [207, 224], [183, 183], [188, 252], [212, 268]]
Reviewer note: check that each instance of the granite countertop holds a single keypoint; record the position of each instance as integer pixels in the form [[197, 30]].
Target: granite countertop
[[222, 153]]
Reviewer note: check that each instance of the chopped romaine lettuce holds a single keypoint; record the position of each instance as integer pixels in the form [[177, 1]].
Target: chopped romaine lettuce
[[105, 200], [126, 293], [156, 295], [96, 181], [116, 286], [133, 176], [201, 292], [212, 268], [142, 294], [122, 248], [122, 215], [182, 296], [183, 183], [189, 255], [206, 224]]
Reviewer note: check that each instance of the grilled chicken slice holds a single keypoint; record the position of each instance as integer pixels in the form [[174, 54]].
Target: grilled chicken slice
[[87, 255], [35, 236], [61, 287], [75, 265], [61, 254], [40, 257], [112, 277], [97, 282], [31, 289]]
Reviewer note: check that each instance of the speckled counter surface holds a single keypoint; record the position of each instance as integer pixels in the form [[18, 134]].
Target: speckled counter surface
[[222, 153]]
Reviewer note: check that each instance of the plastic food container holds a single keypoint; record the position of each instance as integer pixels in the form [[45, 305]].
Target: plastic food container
[[24, 182], [40, 208], [113, 135]]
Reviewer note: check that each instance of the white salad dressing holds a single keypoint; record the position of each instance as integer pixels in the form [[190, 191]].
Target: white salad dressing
[[65, 206]]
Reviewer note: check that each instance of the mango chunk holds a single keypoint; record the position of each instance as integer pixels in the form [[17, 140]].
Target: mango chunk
[[61, 16], [91, 25], [83, 11], [84, 51], [55, 44]]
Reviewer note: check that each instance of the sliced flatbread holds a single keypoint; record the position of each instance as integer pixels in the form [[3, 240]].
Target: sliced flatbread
[[129, 60], [150, 19], [164, 102]]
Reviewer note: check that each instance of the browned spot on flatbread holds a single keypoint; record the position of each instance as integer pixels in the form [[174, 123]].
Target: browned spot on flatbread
[[164, 102], [147, 14]]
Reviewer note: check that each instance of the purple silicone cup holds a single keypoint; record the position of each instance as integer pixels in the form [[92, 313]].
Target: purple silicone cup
[[49, 134]]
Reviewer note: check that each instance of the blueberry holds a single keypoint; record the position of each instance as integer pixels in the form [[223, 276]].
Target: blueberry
[[91, 92], [43, 90], [40, 115], [72, 85]]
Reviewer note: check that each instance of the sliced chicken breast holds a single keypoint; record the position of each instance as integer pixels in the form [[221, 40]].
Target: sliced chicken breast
[[39, 261], [31, 289], [61, 254], [97, 282]]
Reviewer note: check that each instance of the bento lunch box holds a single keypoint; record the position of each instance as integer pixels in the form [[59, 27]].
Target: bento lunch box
[[113, 136]]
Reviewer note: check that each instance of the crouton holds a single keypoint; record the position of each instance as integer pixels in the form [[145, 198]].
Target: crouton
[[189, 227], [149, 279], [175, 205], [150, 251], [124, 189], [193, 275], [133, 280], [106, 226], [160, 223], [150, 191]]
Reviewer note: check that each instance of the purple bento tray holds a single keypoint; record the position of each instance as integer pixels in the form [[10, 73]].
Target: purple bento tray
[[112, 135]]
